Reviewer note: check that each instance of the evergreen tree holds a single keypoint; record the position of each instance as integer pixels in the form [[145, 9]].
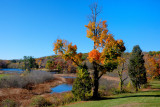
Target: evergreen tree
[[82, 85], [136, 69], [29, 63]]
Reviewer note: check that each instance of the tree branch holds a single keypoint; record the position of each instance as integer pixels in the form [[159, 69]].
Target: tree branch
[[124, 79], [100, 75]]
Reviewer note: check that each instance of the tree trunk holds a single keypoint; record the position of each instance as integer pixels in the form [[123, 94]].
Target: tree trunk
[[95, 82], [136, 87], [121, 84], [95, 85], [121, 81]]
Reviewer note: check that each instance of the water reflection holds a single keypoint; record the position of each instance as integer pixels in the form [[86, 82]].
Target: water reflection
[[64, 87], [61, 88], [12, 70]]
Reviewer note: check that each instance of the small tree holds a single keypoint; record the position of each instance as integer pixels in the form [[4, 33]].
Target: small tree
[[121, 69], [136, 69], [82, 85], [29, 63]]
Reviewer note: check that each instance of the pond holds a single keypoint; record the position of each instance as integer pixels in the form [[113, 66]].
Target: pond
[[64, 87], [61, 88], [12, 70], [15, 70]]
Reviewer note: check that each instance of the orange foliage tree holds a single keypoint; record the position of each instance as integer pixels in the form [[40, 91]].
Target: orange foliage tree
[[152, 64], [105, 53]]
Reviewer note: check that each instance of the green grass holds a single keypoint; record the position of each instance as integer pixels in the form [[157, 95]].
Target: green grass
[[155, 84], [149, 98], [2, 75]]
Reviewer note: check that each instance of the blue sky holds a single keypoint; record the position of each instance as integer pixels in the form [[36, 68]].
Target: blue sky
[[29, 27]]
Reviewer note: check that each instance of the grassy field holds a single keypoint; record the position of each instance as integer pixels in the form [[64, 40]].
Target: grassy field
[[148, 98], [2, 75]]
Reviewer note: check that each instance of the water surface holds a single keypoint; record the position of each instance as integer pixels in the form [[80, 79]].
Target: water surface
[[11, 70], [64, 87], [61, 88]]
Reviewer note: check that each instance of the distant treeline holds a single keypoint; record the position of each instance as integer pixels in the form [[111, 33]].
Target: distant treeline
[[55, 62]]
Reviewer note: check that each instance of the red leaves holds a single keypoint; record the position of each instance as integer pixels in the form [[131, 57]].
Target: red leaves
[[94, 55]]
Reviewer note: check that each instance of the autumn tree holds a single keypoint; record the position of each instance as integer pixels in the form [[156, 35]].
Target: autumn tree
[[151, 66], [158, 68], [122, 63], [136, 68], [105, 53]]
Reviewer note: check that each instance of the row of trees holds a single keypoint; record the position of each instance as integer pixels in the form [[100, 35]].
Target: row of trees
[[4, 63], [152, 64], [60, 65]]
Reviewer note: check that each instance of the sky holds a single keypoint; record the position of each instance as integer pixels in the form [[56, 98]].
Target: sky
[[30, 27]]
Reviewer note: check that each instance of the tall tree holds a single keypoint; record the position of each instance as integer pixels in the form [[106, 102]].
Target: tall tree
[[136, 68], [105, 53]]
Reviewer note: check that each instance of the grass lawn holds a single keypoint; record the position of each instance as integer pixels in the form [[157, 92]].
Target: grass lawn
[[149, 98]]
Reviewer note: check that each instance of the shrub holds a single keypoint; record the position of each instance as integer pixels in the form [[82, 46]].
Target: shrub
[[129, 86], [18, 81], [61, 99], [68, 97], [82, 85], [38, 77], [12, 81], [8, 103], [39, 101]]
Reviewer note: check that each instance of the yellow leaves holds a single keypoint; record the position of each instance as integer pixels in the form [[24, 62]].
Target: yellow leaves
[[94, 55], [58, 46], [89, 34], [93, 25], [67, 51], [112, 51], [97, 32], [121, 60], [104, 24]]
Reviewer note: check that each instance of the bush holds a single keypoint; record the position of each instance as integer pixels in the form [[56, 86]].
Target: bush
[[82, 85], [18, 81], [8, 103], [37, 77], [39, 101], [61, 99], [15, 81], [68, 97]]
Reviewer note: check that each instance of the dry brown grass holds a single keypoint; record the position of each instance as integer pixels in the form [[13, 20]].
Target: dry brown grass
[[23, 96]]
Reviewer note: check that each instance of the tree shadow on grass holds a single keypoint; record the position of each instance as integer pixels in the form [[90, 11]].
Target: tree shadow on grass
[[110, 98], [139, 96]]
